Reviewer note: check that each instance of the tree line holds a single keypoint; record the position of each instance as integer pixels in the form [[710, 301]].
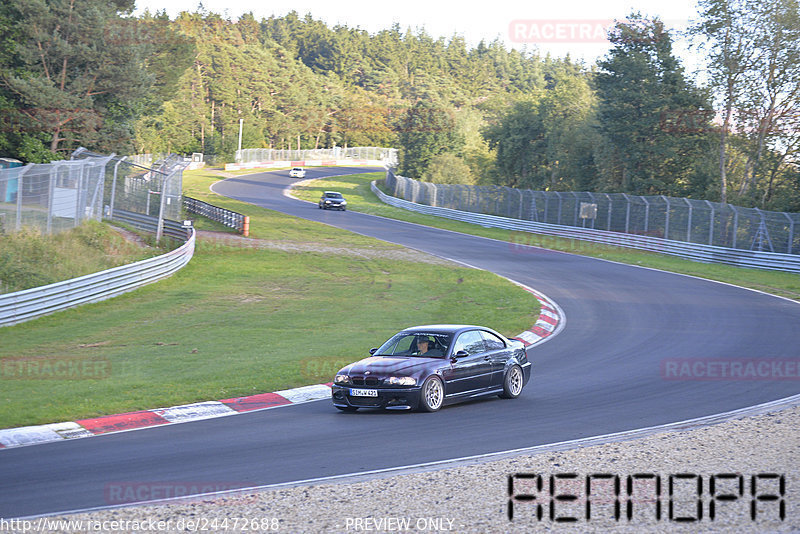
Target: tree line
[[88, 72]]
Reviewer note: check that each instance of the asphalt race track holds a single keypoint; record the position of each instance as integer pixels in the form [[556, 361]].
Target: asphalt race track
[[603, 373]]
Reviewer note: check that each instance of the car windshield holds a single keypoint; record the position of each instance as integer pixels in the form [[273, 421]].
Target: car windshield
[[417, 344], [333, 195]]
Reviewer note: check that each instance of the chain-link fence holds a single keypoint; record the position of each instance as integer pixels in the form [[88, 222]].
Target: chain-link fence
[[52, 196], [259, 155], [60, 195], [153, 190], [680, 219]]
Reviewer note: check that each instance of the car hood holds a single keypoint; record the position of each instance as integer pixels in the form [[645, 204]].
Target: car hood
[[384, 366]]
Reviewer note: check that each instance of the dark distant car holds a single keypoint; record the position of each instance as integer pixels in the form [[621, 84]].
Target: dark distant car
[[332, 200], [297, 172], [427, 367]]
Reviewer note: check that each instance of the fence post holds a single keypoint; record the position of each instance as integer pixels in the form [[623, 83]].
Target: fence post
[[735, 224], [666, 222], [610, 204], [710, 224], [22, 172], [689, 223], [546, 204], [560, 202], [79, 192], [51, 191], [791, 232], [627, 213], [160, 227], [575, 218], [96, 202], [114, 189]]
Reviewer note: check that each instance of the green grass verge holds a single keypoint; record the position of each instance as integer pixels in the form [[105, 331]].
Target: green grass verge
[[241, 320], [356, 189]]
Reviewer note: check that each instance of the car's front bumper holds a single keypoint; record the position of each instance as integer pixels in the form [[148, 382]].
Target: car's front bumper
[[388, 398]]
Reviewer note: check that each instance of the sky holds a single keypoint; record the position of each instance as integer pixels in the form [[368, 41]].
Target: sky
[[559, 27]]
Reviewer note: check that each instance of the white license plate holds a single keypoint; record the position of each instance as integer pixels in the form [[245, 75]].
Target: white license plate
[[364, 392]]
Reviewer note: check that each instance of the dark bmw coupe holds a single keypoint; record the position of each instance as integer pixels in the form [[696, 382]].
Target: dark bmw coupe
[[427, 367]]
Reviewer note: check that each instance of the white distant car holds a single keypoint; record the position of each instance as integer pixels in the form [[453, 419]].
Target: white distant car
[[297, 172]]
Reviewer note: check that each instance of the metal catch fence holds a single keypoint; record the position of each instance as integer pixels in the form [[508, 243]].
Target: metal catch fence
[[53, 196], [56, 196], [258, 155], [678, 219]]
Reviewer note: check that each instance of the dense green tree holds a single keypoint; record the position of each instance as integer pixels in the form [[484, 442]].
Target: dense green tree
[[447, 168], [424, 131], [546, 140], [641, 88], [76, 72], [518, 139]]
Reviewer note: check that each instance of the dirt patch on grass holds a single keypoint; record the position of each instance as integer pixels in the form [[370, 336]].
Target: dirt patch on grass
[[130, 236], [398, 254], [220, 172]]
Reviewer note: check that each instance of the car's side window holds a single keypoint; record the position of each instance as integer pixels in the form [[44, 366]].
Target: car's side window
[[492, 341], [470, 341]]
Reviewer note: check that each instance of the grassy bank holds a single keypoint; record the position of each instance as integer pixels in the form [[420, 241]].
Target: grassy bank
[[356, 189], [29, 259], [239, 320]]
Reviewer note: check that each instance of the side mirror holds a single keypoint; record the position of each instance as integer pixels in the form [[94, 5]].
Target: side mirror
[[459, 354], [373, 350]]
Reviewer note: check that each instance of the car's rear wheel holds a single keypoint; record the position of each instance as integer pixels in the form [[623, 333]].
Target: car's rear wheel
[[513, 382], [432, 394], [348, 409]]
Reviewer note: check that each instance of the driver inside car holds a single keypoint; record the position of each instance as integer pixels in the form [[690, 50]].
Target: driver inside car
[[424, 348]]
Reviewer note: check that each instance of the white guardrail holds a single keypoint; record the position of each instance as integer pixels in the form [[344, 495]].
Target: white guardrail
[[692, 251], [32, 303]]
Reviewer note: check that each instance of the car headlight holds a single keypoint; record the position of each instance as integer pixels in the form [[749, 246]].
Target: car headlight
[[401, 381], [342, 379], [327, 202], [344, 202]]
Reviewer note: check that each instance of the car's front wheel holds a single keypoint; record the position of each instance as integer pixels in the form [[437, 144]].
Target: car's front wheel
[[432, 394], [512, 385]]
